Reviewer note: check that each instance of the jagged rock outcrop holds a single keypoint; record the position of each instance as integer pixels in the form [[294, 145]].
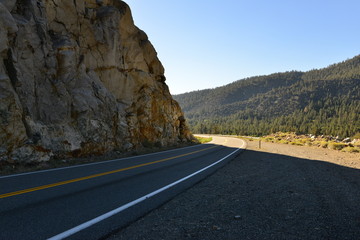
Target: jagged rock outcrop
[[78, 78]]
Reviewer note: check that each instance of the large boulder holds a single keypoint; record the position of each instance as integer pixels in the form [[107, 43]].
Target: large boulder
[[79, 78]]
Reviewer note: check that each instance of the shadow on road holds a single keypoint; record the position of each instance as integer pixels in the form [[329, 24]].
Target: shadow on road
[[261, 195], [296, 198]]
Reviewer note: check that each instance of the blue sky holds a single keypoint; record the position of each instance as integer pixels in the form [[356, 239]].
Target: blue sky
[[207, 43]]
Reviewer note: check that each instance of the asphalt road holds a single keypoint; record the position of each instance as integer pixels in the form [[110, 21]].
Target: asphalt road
[[91, 201], [261, 194]]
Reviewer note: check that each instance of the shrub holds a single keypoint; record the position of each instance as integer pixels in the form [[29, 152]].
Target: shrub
[[351, 149], [284, 141], [282, 135], [336, 146], [324, 144], [356, 136], [269, 139]]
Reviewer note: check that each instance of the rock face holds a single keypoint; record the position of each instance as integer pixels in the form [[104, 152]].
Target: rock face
[[79, 78]]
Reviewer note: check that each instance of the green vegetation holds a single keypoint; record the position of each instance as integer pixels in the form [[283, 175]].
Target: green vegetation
[[203, 139], [323, 144], [351, 149], [325, 101], [356, 136], [336, 146], [306, 140]]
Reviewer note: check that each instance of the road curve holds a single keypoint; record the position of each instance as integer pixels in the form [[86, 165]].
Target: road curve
[[90, 201]]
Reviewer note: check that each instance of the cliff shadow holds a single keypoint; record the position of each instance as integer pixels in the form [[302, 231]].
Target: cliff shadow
[[286, 197]]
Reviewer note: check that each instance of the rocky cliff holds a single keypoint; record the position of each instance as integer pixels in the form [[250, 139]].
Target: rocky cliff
[[79, 78]]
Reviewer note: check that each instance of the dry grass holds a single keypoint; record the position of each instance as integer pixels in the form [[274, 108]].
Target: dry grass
[[204, 140], [304, 140]]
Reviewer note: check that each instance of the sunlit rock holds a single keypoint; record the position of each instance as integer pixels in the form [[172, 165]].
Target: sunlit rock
[[79, 78]]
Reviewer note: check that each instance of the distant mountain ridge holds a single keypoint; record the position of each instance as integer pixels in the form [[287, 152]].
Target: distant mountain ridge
[[323, 101]]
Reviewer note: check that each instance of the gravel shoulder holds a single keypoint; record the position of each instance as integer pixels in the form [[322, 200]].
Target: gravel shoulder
[[276, 192]]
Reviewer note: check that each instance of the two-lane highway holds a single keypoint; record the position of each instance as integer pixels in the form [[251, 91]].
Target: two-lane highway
[[92, 200]]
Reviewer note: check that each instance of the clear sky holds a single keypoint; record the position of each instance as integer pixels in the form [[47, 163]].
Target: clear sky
[[207, 43]]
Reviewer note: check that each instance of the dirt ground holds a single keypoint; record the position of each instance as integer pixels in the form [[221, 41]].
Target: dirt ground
[[276, 192], [312, 153]]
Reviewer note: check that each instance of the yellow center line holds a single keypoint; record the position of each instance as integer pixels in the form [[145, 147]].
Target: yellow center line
[[10, 194]]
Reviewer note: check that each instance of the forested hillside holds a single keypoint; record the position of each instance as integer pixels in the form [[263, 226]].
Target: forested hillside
[[325, 101]]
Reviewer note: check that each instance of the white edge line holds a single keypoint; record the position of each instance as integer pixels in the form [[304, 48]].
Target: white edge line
[[100, 218], [95, 163]]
